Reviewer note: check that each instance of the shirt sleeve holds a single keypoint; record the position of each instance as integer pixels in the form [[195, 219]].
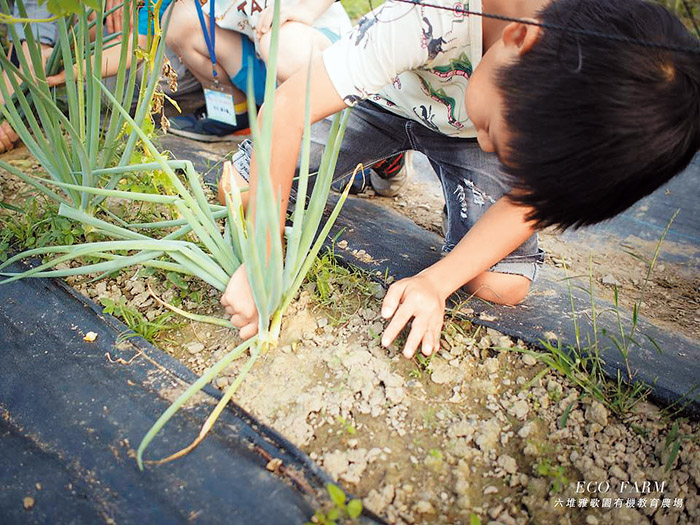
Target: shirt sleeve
[[385, 43]]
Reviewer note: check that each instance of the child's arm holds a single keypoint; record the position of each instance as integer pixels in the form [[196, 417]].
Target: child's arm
[[304, 11], [110, 62], [422, 297], [8, 137], [287, 131]]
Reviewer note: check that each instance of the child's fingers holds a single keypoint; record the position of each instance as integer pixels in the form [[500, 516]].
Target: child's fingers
[[5, 143], [264, 22], [392, 299], [8, 134], [401, 317], [114, 19], [241, 321], [414, 338], [428, 345], [248, 331]]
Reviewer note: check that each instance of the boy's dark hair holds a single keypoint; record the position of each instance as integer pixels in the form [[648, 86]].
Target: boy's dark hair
[[597, 124]]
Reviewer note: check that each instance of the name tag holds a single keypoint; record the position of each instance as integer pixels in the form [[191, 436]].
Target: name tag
[[220, 106]]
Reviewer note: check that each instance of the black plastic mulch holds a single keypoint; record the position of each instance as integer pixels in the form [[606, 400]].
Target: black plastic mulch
[[73, 412]]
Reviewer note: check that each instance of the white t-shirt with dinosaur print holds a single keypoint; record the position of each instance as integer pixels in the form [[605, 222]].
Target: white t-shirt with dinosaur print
[[413, 60], [242, 16]]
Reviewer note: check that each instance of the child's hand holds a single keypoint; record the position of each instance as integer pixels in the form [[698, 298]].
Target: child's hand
[[8, 137], [419, 298], [57, 80], [238, 302]]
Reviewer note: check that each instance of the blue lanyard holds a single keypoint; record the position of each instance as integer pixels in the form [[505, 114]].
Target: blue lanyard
[[210, 38]]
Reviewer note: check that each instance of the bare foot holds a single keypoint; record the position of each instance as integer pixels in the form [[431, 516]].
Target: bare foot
[[228, 175]]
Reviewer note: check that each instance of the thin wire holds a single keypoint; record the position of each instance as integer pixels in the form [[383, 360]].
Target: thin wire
[[585, 32]]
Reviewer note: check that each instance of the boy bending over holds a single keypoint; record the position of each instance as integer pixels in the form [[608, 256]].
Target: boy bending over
[[583, 127]]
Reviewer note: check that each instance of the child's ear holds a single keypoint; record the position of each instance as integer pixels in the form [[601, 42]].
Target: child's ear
[[521, 36]]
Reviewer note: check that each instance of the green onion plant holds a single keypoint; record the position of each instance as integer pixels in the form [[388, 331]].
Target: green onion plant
[[199, 245], [71, 131]]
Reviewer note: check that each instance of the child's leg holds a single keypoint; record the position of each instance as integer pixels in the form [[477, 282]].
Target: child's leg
[[501, 288], [297, 44], [186, 39]]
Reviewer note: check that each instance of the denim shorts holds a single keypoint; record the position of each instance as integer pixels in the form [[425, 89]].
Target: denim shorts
[[471, 179]]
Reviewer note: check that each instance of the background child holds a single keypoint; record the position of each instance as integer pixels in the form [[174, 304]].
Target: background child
[[242, 46], [236, 40]]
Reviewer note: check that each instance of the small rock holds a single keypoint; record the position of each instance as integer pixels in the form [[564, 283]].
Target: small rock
[[377, 501], [274, 464], [28, 502], [490, 490], [591, 520], [488, 434], [508, 464], [529, 360], [424, 507], [528, 428], [597, 413], [463, 502], [356, 358], [617, 472], [610, 280], [443, 372], [462, 429], [395, 394], [336, 463], [194, 348], [519, 409], [138, 288], [368, 314]]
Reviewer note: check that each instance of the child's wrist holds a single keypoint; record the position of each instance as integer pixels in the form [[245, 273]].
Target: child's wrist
[[439, 281]]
